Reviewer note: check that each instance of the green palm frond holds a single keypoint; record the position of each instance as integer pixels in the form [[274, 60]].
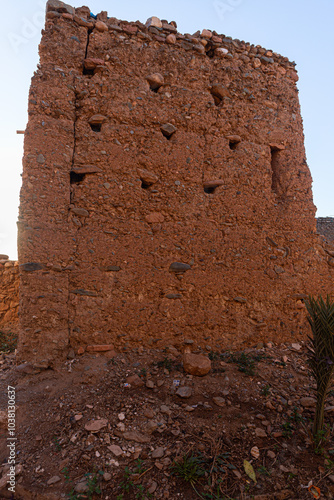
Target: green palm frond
[[320, 352]]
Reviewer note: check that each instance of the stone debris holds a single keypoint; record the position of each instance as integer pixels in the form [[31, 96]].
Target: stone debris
[[115, 450], [96, 425], [308, 402], [135, 381], [140, 426], [136, 436], [196, 364], [261, 433], [184, 392], [158, 453], [219, 401], [53, 480]]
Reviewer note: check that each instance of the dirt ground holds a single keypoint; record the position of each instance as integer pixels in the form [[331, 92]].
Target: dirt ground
[[86, 430]]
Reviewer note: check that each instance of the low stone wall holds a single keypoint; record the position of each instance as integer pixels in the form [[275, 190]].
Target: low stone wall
[[9, 294], [325, 227]]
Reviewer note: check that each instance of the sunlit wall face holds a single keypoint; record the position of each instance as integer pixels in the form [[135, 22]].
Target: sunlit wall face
[[280, 25]]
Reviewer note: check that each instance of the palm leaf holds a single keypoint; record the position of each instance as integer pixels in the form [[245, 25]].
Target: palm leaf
[[320, 352]]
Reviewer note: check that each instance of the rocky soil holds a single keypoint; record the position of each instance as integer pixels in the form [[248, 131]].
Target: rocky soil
[[132, 425]]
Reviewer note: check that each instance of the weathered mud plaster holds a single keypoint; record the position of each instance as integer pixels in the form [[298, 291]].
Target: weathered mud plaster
[[166, 195]]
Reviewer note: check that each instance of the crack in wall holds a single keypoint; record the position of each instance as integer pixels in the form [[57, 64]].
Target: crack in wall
[[71, 186], [89, 32]]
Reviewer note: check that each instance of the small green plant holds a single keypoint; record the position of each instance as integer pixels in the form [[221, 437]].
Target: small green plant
[[321, 353], [287, 429], [213, 356], [194, 469], [188, 469], [320, 439], [216, 493], [128, 484], [8, 342], [266, 390], [65, 471], [93, 481], [262, 470], [293, 421], [56, 443], [246, 362], [165, 363], [329, 464], [296, 417]]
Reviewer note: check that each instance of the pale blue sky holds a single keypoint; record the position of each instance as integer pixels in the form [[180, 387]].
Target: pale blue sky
[[299, 29]]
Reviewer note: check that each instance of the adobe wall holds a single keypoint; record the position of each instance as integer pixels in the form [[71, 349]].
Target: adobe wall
[[166, 196], [325, 227], [9, 294]]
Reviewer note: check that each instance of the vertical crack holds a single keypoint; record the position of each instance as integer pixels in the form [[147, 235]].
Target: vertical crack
[[89, 32], [87, 71], [71, 188]]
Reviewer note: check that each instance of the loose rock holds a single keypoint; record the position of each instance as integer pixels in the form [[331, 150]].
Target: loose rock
[[96, 425], [184, 392], [196, 364]]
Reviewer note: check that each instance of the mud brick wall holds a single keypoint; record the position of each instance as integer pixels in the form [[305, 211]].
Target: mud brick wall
[[325, 227], [166, 196], [9, 294]]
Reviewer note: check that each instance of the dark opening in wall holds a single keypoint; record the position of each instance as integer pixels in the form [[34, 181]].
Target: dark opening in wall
[[233, 145], [211, 186], [154, 88], [210, 50], [155, 81], [219, 92], [209, 190], [89, 72], [96, 127], [76, 178], [275, 162], [145, 185]]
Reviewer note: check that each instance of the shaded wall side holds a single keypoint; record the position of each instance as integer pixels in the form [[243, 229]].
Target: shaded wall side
[[44, 241], [9, 295]]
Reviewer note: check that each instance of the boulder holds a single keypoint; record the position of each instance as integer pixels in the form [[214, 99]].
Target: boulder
[[196, 364]]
